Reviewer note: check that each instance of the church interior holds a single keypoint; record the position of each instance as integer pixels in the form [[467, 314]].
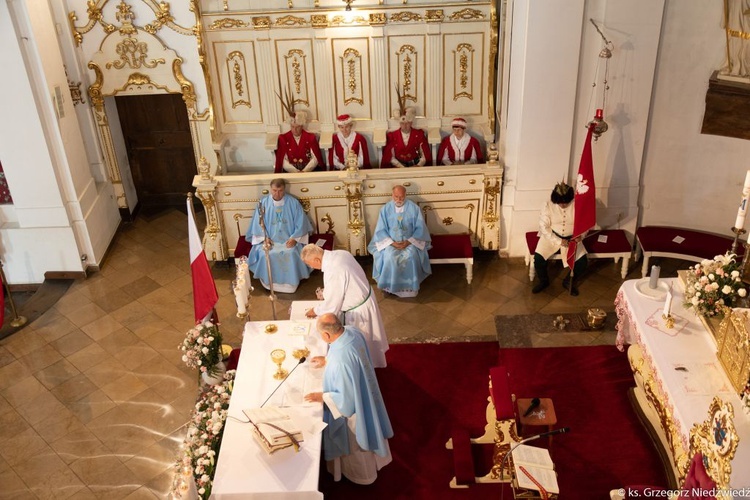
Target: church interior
[[115, 109]]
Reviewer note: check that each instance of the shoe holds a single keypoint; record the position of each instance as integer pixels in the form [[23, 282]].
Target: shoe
[[540, 286], [566, 285]]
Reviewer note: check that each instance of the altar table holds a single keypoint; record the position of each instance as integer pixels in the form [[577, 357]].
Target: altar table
[[682, 364], [244, 470]]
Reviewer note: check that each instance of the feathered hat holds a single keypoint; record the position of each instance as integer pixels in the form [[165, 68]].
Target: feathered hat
[[295, 117], [458, 122], [404, 113], [562, 193], [343, 120]]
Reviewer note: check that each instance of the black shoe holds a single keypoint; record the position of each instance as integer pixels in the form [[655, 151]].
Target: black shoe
[[566, 285], [540, 286]]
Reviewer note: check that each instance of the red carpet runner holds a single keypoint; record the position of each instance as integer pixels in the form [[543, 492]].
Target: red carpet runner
[[429, 389]]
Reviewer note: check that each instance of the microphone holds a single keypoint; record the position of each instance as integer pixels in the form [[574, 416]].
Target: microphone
[[301, 360], [532, 406], [562, 430]]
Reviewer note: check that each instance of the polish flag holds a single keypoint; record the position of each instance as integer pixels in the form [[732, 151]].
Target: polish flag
[[205, 296], [585, 198]]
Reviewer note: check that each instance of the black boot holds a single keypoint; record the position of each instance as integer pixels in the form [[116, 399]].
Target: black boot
[[578, 269], [540, 266]]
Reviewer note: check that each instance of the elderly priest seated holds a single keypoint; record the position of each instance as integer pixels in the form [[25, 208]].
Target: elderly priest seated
[[355, 442]]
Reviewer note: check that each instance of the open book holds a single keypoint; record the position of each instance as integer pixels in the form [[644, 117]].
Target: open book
[[538, 464], [274, 429]]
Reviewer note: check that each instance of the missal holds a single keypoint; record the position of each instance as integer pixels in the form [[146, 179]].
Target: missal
[[274, 429], [538, 464]]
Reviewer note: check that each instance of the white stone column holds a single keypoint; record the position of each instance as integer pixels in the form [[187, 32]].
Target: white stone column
[[434, 85], [268, 86], [381, 108], [324, 79]]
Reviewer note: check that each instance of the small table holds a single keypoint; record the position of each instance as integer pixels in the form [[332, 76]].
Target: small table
[[544, 414]]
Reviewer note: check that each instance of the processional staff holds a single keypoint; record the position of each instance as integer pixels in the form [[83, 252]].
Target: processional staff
[[17, 321], [267, 244]]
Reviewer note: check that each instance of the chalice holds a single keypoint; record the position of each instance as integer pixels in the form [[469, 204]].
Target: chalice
[[278, 356]]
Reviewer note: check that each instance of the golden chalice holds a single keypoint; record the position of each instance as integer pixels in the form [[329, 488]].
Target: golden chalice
[[278, 356]]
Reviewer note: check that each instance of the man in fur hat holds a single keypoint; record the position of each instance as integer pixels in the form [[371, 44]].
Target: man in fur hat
[[556, 230], [459, 148], [298, 149], [406, 147], [346, 140]]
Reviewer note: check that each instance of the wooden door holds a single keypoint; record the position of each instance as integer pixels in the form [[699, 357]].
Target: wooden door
[[160, 149]]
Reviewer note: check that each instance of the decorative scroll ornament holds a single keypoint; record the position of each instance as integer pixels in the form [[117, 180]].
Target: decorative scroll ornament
[[405, 17], [407, 60], [347, 20], [75, 90], [133, 53], [204, 169], [262, 22], [319, 21], [434, 16], [227, 23], [351, 68], [290, 20], [463, 63], [466, 15], [237, 69], [716, 439]]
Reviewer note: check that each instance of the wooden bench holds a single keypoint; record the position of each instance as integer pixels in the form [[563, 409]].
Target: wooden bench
[[680, 243], [453, 249], [242, 249], [605, 244]]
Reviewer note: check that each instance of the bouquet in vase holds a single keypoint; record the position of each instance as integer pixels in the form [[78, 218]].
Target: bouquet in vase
[[201, 349], [713, 285]]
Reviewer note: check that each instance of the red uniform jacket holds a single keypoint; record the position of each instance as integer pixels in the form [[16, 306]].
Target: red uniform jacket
[[338, 150], [298, 154], [406, 153], [447, 147]]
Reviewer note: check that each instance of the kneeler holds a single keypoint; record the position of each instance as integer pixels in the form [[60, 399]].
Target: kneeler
[[500, 431]]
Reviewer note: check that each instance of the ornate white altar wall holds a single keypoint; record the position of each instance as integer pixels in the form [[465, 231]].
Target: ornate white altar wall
[[61, 208]]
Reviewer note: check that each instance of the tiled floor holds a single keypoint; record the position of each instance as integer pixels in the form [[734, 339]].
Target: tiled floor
[[94, 396]]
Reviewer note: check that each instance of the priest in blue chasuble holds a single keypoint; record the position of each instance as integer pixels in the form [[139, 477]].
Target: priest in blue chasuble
[[355, 441], [399, 246], [288, 229]]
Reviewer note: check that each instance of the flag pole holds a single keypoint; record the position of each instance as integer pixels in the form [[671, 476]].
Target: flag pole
[[267, 244], [17, 321]]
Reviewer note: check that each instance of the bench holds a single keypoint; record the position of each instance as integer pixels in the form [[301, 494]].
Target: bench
[[604, 244], [453, 249], [695, 246], [242, 249]]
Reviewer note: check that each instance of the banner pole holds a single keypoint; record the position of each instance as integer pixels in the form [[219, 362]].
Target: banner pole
[[17, 321]]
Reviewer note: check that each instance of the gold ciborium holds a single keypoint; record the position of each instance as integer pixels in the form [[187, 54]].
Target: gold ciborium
[[278, 356], [300, 353]]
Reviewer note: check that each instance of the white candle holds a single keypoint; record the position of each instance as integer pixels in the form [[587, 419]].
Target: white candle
[[668, 304], [742, 212]]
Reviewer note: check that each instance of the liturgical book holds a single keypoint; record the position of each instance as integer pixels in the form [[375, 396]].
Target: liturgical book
[[274, 429], [538, 464]]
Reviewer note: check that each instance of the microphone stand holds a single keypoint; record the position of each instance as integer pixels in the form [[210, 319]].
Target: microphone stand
[[510, 452], [267, 250]]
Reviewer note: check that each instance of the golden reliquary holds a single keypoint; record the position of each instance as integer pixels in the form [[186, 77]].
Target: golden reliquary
[[732, 348]]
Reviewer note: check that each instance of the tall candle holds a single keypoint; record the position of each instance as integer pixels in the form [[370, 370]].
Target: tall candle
[[742, 212]]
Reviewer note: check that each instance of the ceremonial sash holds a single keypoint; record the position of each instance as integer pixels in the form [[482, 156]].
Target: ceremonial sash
[[542, 491]]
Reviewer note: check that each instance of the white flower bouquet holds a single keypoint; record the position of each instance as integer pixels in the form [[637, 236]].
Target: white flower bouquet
[[201, 445], [201, 349], [713, 285]]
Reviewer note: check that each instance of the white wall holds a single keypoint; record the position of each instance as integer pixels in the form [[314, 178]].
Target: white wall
[[690, 179]]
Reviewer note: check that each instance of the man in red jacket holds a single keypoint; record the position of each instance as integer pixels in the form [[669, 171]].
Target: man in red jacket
[[344, 141], [406, 147], [298, 149], [459, 148]]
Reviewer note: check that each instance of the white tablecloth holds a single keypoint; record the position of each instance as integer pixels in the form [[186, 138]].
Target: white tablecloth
[[300, 307], [689, 345], [244, 470]]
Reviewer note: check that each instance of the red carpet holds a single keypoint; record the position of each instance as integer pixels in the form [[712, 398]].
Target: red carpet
[[430, 388]]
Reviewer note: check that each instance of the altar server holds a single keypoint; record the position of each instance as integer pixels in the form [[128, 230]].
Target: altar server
[[459, 148], [297, 150], [407, 146], [556, 230], [355, 441], [346, 140], [399, 246], [288, 229], [347, 294]]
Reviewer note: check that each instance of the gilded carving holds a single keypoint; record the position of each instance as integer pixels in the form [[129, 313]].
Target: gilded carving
[[95, 89], [405, 17], [209, 204], [329, 221], [407, 60], [262, 22], [339, 20], [466, 15], [463, 69], [238, 74], [75, 90], [351, 68], [377, 19], [289, 20], [319, 21], [133, 53], [447, 221], [733, 349], [717, 439], [296, 75], [227, 23], [188, 94], [434, 16], [354, 199], [125, 16], [204, 169]]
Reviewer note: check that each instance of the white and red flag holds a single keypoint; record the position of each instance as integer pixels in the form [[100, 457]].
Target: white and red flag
[[205, 296], [585, 197]]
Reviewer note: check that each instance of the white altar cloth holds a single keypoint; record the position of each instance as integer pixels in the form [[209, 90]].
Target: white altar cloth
[[300, 307], [244, 470], [689, 347]]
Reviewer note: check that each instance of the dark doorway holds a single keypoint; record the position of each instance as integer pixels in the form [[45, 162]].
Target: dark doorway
[[160, 149]]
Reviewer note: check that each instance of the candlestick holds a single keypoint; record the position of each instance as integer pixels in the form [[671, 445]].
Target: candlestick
[[739, 223], [737, 233]]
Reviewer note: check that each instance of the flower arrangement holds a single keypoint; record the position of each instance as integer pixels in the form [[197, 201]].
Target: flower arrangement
[[202, 441], [202, 347], [713, 285]]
